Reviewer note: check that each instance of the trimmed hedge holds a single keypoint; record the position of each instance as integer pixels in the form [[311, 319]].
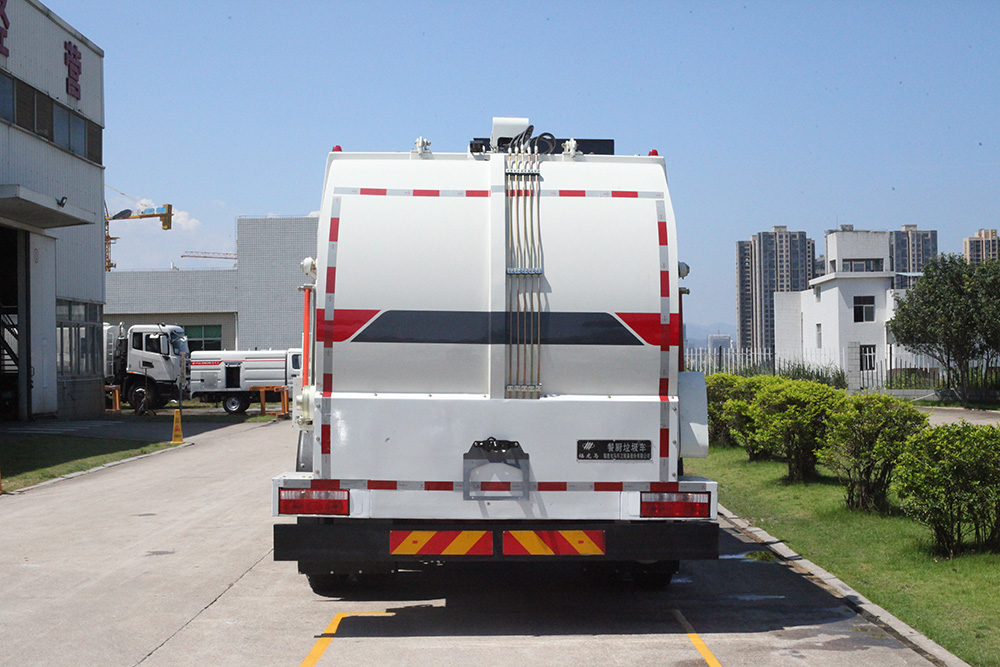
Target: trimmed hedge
[[948, 477], [863, 443]]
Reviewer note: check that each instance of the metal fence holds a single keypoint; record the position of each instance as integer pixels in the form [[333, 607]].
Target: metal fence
[[902, 371]]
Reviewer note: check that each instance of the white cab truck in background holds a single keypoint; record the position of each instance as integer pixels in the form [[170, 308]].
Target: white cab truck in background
[[148, 361], [229, 376], [493, 372]]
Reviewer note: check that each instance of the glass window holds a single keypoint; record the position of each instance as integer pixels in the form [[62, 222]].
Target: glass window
[[60, 126], [819, 336], [24, 106], [204, 337], [867, 357], [43, 116], [864, 309], [78, 135], [6, 98], [94, 147]]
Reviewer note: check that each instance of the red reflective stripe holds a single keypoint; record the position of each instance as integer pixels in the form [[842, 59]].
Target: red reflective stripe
[[347, 322], [572, 193], [477, 193], [664, 443], [645, 325], [674, 330], [324, 439], [321, 330], [325, 484], [664, 487], [664, 388], [664, 283], [661, 227], [439, 486], [631, 194], [608, 486], [373, 191], [495, 486], [327, 382], [331, 280], [382, 484], [334, 229], [426, 193], [552, 486]]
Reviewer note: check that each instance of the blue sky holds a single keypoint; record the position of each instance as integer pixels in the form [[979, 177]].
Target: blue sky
[[805, 114]]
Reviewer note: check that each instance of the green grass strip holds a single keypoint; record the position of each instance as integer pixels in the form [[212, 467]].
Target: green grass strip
[[886, 559], [29, 460]]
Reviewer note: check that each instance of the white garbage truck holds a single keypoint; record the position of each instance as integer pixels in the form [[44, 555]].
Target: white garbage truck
[[231, 376], [494, 366], [148, 362]]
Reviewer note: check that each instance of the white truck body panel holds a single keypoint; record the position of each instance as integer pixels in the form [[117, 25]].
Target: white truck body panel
[[465, 302], [246, 369]]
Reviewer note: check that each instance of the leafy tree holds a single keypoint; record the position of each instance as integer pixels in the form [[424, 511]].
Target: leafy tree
[[863, 442], [940, 316], [987, 296]]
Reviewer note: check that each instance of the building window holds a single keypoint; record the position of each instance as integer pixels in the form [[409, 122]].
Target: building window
[[864, 309], [862, 265], [867, 357], [6, 98], [36, 112], [79, 338], [204, 337], [819, 336]]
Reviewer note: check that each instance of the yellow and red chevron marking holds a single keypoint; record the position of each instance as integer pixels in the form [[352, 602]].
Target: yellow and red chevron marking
[[553, 543], [441, 543]]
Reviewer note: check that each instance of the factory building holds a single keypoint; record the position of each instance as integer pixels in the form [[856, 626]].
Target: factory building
[[51, 215]]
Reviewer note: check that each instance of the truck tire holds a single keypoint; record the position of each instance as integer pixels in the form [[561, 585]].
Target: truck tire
[[137, 392], [235, 404]]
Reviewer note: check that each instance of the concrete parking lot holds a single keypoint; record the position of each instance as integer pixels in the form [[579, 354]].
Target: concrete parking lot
[[166, 560]]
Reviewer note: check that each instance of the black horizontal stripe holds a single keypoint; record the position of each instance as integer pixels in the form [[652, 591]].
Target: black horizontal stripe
[[459, 327]]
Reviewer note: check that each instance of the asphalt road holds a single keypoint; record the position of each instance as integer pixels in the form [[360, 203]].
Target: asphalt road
[[938, 416], [166, 560]]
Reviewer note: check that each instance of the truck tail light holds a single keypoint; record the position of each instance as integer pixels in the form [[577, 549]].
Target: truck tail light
[[314, 501], [675, 505]]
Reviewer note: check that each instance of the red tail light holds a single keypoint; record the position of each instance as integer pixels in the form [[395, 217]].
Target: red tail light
[[675, 505], [314, 501]]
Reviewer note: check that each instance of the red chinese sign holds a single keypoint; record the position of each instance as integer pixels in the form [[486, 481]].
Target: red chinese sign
[[4, 51], [74, 64]]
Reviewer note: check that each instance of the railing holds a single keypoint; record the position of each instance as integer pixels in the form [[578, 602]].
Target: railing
[[8, 341], [904, 371]]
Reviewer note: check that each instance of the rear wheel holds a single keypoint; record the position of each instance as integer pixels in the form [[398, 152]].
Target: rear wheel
[[235, 404], [137, 393]]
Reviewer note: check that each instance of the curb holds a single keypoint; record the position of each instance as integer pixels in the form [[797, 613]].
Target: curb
[[933, 651], [104, 466]]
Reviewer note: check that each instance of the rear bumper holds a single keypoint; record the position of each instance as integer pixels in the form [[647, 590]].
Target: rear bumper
[[329, 542]]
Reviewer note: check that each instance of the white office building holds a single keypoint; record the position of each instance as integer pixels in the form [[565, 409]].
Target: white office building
[[841, 319]]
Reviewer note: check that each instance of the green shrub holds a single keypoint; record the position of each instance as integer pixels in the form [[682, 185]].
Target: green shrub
[[863, 442], [737, 417], [720, 388], [789, 417], [948, 477]]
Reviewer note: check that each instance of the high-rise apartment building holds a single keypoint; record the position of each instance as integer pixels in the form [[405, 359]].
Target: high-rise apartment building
[[909, 249], [983, 246], [774, 261]]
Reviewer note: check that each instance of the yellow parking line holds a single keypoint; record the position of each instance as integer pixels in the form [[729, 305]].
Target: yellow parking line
[[324, 639], [695, 639]]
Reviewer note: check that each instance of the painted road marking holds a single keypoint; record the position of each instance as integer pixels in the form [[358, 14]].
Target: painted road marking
[[324, 639], [695, 639]]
